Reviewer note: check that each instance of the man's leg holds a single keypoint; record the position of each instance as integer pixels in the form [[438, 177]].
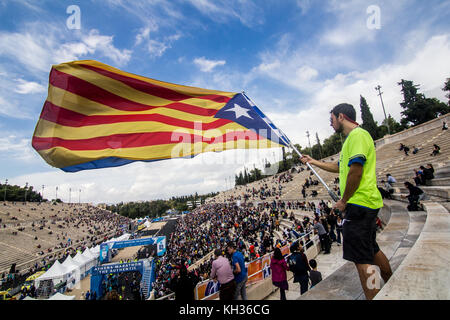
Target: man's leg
[[237, 293], [383, 263], [364, 276], [304, 284], [244, 289], [327, 244]]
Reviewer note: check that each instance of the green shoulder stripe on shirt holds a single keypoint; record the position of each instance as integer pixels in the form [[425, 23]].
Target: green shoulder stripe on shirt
[[357, 156]]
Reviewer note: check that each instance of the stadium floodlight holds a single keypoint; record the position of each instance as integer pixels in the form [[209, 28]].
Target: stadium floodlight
[[26, 189], [378, 88], [6, 185]]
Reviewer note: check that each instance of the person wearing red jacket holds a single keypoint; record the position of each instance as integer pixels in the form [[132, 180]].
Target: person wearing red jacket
[[279, 267]]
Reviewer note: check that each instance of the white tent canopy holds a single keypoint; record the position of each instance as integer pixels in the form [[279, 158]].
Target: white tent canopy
[[70, 264], [87, 263], [75, 269], [91, 258], [88, 254], [95, 251], [59, 296], [80, 259], [58, 273]]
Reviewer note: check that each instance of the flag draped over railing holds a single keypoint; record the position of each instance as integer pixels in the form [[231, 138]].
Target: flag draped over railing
[[97, 116]]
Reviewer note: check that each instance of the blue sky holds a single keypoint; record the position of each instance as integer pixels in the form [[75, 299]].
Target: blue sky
[[295, 58]]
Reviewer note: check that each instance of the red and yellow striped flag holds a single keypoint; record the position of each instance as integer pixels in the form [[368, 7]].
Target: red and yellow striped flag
[[97, 116]]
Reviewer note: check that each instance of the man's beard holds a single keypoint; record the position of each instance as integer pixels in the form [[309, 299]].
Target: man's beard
[[340, 129]]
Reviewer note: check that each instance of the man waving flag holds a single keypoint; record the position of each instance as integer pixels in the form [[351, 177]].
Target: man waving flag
[[97, 116]]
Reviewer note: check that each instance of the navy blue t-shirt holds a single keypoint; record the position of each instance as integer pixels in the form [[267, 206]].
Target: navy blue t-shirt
[[239, 258]]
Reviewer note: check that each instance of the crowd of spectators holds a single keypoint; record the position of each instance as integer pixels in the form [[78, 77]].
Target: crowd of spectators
[[92, 224], [250, 228], [197, 234], [423, 176], [268, 187]]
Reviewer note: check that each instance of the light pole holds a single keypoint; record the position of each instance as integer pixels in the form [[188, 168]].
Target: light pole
[[378, 88], [26, 189], [43, 192], [70, 193], [79, 196], [6, 184], [309, 143], [56, 196]]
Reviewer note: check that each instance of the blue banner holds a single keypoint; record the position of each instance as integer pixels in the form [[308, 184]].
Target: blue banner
[[116, 268]]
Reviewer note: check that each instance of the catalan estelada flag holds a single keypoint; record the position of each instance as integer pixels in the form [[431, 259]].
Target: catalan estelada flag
[[97, 116]]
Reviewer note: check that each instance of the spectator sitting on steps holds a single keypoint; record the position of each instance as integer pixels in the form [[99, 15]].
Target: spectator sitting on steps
[[390, 179], [428, 174], [404, 148], [415, 195], [436, 150]]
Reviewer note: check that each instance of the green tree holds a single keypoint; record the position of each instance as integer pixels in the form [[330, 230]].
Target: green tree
[[367, 118], [394, 126], [241, 179], [332, 145], [446, 88], [417, 108]]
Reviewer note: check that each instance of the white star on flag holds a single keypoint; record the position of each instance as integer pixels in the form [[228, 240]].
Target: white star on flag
[[239, 111]]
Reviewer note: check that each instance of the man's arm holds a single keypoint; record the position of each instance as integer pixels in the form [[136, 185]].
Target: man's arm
[[353, 179], [327, 166], [237, 269], [213, 272]]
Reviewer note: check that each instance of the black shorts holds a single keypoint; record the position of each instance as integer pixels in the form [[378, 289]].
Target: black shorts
[[359, 234]]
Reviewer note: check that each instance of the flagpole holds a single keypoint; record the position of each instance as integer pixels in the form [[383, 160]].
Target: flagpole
[[284, 138]]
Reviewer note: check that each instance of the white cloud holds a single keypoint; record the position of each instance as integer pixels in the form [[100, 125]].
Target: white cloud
[[38, 51], [148, 181], [27, 87], [206, 65], [16, 147], [429, 68], [26, 48], [247, 12], [11, 109], [143, 34], [157, 48], [304, 5], [95, 41]]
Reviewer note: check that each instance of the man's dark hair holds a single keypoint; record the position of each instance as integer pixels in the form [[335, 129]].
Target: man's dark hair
[[294, 247], [313, 263], [346, 109], [217, 252], [231, 245]]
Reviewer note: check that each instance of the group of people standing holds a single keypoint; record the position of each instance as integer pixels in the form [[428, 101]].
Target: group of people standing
[[231, 276]]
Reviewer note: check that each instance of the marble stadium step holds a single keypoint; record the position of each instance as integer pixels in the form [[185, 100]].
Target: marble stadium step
[[424, 274], [442, 192], [408, 171], [344, 283]]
